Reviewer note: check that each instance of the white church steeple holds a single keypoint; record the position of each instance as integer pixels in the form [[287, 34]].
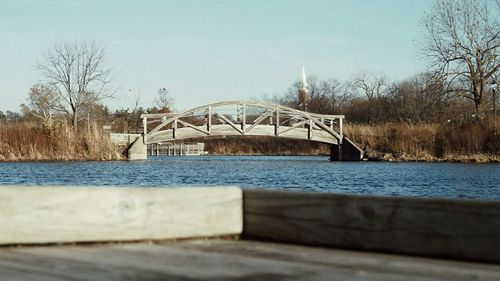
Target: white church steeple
[[303, 79], [303, 92]]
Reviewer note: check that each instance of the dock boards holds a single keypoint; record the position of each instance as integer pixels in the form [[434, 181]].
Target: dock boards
[[226, 260]]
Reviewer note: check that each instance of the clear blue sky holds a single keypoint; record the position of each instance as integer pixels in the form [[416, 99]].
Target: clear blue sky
[[205, 51]]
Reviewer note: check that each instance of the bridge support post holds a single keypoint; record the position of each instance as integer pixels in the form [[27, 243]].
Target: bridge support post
[[336, 152], [346, 151]]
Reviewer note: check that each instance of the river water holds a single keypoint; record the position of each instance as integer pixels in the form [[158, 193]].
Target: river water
[[443, 180]]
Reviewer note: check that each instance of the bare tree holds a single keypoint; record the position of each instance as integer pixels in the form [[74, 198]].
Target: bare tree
[[461, 42], [77, 72], [324, 96], [371, 85], [164, 101], [417, 99], [43, 102]]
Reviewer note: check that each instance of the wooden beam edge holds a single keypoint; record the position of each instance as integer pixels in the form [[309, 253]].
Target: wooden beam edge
[[52, 214], [442, 228]]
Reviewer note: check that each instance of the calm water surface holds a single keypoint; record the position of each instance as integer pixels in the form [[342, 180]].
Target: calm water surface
[[447, 180]]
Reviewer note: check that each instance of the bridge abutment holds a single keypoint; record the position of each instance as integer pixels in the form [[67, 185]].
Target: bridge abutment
[[138, 150], [347, 151]]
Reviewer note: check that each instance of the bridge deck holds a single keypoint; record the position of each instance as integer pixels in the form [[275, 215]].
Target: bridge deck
[[225, 260]]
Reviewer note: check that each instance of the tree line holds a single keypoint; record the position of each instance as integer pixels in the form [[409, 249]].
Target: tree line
[[371, 99], [122, 120]]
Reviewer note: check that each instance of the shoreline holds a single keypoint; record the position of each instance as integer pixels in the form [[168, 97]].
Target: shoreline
[[47, 159], [379, 157]]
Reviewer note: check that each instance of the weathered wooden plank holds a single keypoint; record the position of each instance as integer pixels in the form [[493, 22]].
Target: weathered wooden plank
[[225, 260], [456, 229], [67, 214]]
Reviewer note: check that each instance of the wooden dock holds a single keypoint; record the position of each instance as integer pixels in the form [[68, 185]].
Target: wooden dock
[[226, 260], [177, 149], [109, 233]]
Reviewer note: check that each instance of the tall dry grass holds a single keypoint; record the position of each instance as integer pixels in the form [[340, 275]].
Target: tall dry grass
[[96, 145], [399, 138], [252, 145], [28, 141], [476, 141]]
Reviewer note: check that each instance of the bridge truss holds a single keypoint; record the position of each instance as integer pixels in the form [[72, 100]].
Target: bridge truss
[[243, 118]]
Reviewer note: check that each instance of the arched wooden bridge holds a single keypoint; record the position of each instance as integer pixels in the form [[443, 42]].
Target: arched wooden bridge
[[245, 118]]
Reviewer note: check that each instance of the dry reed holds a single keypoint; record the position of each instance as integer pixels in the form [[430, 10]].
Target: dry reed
[[252, 145], [27, 141], [469, 142]]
